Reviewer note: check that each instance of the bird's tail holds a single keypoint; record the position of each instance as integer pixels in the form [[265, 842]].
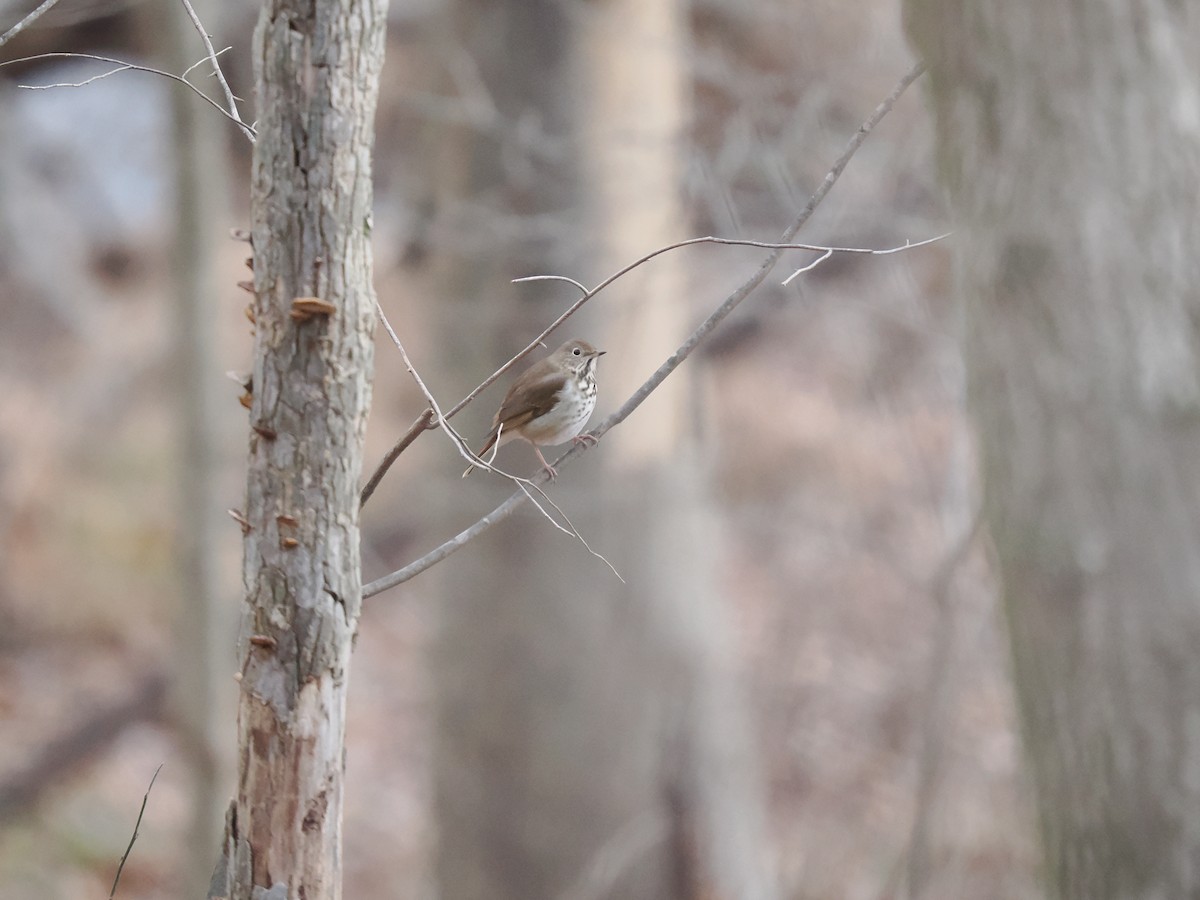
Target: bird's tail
[[487, 445]]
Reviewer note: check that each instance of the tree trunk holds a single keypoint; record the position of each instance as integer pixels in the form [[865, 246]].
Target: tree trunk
[[317, 73], [1069, 140], [587, 734], [201, 706], [705, 783]]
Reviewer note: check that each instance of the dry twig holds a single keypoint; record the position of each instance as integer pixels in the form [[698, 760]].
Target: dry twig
[[136, 825], [587, 294], [26, 22], [509, 506], [123, 66], [212, 55], [526, 485]]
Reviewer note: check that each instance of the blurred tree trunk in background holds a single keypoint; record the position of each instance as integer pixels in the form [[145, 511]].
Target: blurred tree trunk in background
[[317, 78], [1069, 140], [656, 512], [587, 739], [203, 627]]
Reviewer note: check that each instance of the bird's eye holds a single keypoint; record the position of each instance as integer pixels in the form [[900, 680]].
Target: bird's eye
[[577, 351]]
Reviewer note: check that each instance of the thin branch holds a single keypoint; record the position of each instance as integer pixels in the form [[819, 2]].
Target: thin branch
[[495, 517], [455, 437], [134, 836], [579, 285], [812, 265], [26, 22], [198, 63], [123, 66], [509, 506], [421, 423], [587, 294], [570, 528], [212, 55], [424, 422], [524, 484]]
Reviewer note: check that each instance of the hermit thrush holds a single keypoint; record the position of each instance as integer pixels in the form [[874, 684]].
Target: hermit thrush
[[549, 403]]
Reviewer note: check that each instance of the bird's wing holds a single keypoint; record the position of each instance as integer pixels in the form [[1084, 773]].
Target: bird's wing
[[530, 399]]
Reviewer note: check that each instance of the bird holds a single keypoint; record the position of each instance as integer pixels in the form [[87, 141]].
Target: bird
[[550, 403]]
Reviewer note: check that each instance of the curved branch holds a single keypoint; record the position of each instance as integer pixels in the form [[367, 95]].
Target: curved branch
[[212, 55], [509, 506], [123, 66], [589, 293], [420, 424]]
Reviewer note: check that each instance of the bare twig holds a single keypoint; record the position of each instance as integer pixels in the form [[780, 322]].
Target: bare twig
[[509, 506], [526, 485], [212, 55], [570, 528], [123, 66], [198, 63], [437, 416], [588, 293], [26, 22], [134, 836], [812, 265], [455, 437], [421, 423]]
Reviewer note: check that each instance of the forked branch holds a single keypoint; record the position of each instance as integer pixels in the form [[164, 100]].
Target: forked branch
[[510, 505]]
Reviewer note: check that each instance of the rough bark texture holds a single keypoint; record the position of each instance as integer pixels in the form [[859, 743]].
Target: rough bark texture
[[317, 79], [1069, 139]]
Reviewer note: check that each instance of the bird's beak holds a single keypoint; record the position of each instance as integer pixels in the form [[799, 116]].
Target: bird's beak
[[601, 352]]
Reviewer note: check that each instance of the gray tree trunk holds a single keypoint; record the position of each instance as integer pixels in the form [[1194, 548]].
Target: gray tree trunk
[[1069, 141], [317, 75]]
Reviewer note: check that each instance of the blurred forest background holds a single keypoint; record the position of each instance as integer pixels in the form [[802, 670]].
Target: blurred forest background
[[805, 485]]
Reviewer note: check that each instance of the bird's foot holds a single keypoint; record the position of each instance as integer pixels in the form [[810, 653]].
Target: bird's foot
[[585, 440]]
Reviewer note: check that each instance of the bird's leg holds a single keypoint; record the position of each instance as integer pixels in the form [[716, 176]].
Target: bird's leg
[[545, 465]]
